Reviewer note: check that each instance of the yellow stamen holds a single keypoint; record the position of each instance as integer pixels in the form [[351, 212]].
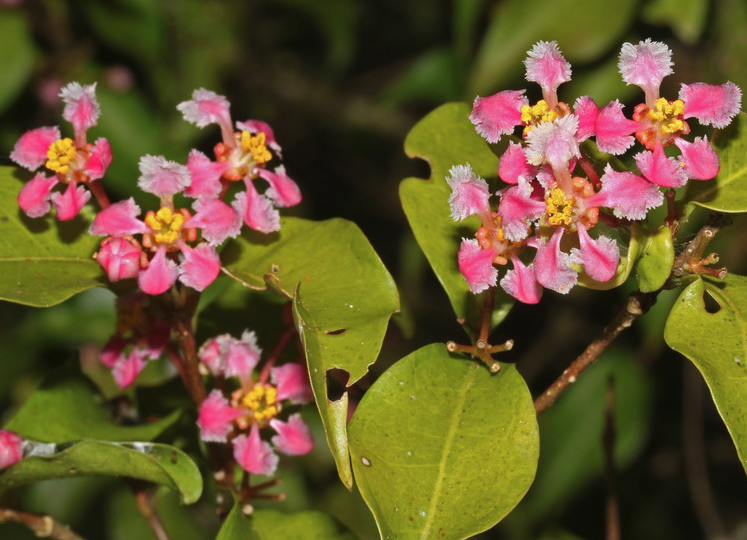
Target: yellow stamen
[[166, 225], [559, 208], [256, 145], [667, 114], [60, 154], [536, 114], [262, 401]]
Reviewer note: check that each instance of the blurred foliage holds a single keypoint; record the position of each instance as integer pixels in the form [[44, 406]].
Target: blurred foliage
[[342, 82]]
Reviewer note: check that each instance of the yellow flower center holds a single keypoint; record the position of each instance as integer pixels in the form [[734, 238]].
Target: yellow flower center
[[256, 146], [166, 225], [60, 154], [262, 401], [559, 208], [667, 114], [533, 115]]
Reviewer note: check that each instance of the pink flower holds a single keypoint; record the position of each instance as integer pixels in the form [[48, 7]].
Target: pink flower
[[11, 448], [469, 193], [476, 265]]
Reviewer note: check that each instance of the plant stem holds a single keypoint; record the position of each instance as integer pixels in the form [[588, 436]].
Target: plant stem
[[43, 526], [148, 511]]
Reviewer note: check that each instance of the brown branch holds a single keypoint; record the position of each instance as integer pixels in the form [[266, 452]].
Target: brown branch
[[608, 439], [147, 509], [43, 526]]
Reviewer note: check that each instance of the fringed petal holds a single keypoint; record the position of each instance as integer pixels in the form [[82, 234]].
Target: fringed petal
[[69, 203], [469, 193], [630, 196], [553, 268], [513, 164], [599, 257], [476, 265], [521, 283], [160, 275], [101, 158], [126, 370], [293, 437], [253, 454], [216, 219], [699, 158], [645, 65], [35, 194], [200, 267], [216, 417], [711, 104], [663, 171], [498, 114], [258, 212], [517, 208], [586, 110], [81, 107], [119, 219], [30, 151], [283, 191], [162, 177], [292, 383], [547, 67], [241, 355], [205, 175], [614, 130]]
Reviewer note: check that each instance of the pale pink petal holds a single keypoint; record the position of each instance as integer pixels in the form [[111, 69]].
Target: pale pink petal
[[476, 265], [545, 175], [598, 257], [101, 158], [160, 275], [211, 355], [126, 370], [35, 194], [645, 65], [699, 158], [547, 67], [517, 208], [586, 110], [31, 149], [200, 267], [553, 268], [253, 454], [81, 108], [293, 437], [630, 196], [216, 219], [113, 351], [215, 417], [162, 177], [498, 114], [257, 126], [292, 383], [663, 171], [241, 355], [469, 193], [11, 448], [119, 257], [206, 107], [257, 210], [521, 283], [283, 191], [613, 130], [553, 142], [711, 104], [513, 164], [205, 175], [69, 202], [119, 219]]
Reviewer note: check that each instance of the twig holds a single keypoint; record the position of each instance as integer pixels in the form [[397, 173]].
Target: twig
[[43, 526], [147, 510], [608, 439]]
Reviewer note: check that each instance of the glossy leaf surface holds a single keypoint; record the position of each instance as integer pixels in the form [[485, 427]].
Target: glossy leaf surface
[[441, 447], [716, 342], [272, 524], [657, 258]]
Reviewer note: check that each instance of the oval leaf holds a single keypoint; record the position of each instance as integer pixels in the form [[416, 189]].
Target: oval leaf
[[441, 447], [159, 463], [343, 297], [717, 344], [657, 258], [271, 524]]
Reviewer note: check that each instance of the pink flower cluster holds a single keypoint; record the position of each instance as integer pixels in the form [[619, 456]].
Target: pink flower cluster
[[238, 416], [555, 197]]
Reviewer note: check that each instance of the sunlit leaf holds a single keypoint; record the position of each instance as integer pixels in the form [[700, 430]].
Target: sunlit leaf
[[272, 524], [714, 338], [443, 448], [657, 258]]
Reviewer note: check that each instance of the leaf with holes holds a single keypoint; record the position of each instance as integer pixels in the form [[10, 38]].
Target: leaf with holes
[[342, 296], [441, 447], [715, 340]]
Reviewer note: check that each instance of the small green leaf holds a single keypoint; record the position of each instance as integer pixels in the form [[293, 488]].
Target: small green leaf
[[43, 261], [716, 342], [343, 298], [16, 54], [728, 191], [624, 267], [272, 525], [441, 447], [657, 258], [445, 138], [159, 463], [66, 409]]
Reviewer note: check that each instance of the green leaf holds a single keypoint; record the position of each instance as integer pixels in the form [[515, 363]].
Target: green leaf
[[687, 18], [66, 409], [343, 298], [728, 191], [16, 55], [43, 261], [716, 342], [153, 462], [445, 138], [273, 525], [657, 258], [441, 447]]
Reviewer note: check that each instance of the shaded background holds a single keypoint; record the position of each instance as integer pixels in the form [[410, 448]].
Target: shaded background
[[341, 82]]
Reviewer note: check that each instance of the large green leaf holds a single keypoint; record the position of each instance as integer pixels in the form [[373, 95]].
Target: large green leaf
[[441, 447], [66, 409], [728, 191], [343, 298], [273, 525], [153, 462], [445, 138], [16, 54], [43, 261], [716, 342]]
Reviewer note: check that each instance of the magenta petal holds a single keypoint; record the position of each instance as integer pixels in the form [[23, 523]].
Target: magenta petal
[[34, 195], [553, 142], [613, 129], [521, 283], [469, 193], [31, 149], [126, 370], [553, 268], [215, 417], [587, 111], [160, 275], [206, 107], [216, 219], [663, 171], [241, 356], [200, 267], [517, 208], [119, 257], [598, 257], [258, 212], [69, 202], [699, 157], [645, 65], [711, 104], [81, 107], [513, 164], [498, 114], [630, 196], [210, 354], [253, 454], [476, 265], [292, 383], [205, 175], [283, 191], [293, 437], [547, 67], [101, 158], [11, 448], [118, 220]]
